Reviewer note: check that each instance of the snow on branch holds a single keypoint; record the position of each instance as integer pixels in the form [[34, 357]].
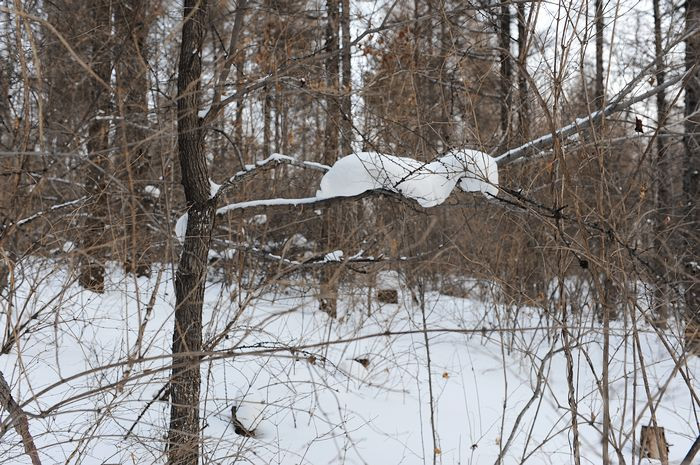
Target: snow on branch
[[41, 213], [330, 258], [618, 104], [270, 162], [371, 173]]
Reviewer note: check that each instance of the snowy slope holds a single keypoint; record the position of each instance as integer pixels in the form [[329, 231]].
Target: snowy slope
[[318, 391]]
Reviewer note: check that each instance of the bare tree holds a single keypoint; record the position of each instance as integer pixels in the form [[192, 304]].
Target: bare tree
[[599, 91], [691, 165], [346, 91], [328, 288], [93, 237], [183, 436], [132, 18], [523, 96], [506, 72]]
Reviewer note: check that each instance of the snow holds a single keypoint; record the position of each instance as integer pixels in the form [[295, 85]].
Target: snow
[[298, 240], [181, 228], [335, 256], [430, 184], [353, 392], [258, 219], [226, 254], [214, 189], [153, 191], [54, 207], [265, 203]]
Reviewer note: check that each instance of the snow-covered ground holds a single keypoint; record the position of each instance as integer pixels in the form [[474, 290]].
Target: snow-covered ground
[[356, 390]]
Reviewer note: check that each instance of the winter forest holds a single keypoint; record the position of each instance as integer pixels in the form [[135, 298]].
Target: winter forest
[[318, 232]]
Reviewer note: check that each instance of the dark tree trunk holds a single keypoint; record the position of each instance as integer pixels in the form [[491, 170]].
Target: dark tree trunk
[[346, 104], [328, 288], [523, 98], [183, 437], [691, 167], [92, 267], [606, 287], [238, 122], [599, 95], [267, 121], [662, 180], [506, 74], [131, 25]]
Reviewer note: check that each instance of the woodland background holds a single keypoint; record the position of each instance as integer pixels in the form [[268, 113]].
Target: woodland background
[[118, 116]]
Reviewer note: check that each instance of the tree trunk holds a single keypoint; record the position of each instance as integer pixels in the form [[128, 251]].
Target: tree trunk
[[267, 121], [599, 96], [506, 74], [183, 437], [346, 103], [692, 160], [92, 267], [523, 98], [131, 25], [662, 180], [329, 288]]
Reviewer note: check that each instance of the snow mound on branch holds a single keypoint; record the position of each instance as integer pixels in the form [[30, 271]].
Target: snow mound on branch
[[428, 183]]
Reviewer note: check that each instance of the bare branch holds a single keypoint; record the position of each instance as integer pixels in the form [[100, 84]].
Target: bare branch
[[19, 420], [586, 121]]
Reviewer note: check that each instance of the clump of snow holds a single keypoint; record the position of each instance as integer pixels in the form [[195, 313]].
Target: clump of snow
[[334, 256], [258, 219], [181, 228], [298, 240], [214, 189], [68, 246], [428, 183], [153, 191], [250, 409], [480, 171], [226, 254], [388, 279]]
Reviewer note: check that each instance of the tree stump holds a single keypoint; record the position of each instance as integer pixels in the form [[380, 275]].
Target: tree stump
[[387, 283], [653, 443], [388, 296]]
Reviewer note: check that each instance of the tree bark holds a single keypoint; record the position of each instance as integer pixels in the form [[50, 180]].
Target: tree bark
[[599, 92], [506, 74], [345, 102], [92, 268], [328, 288], [19, 420], [691, 167], [183, 436], [267, 121], [662, 180], [523, 98]]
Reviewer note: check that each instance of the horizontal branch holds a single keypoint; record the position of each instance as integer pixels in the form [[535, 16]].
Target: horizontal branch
[[41, 213], [321, 260], [270, 162]]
